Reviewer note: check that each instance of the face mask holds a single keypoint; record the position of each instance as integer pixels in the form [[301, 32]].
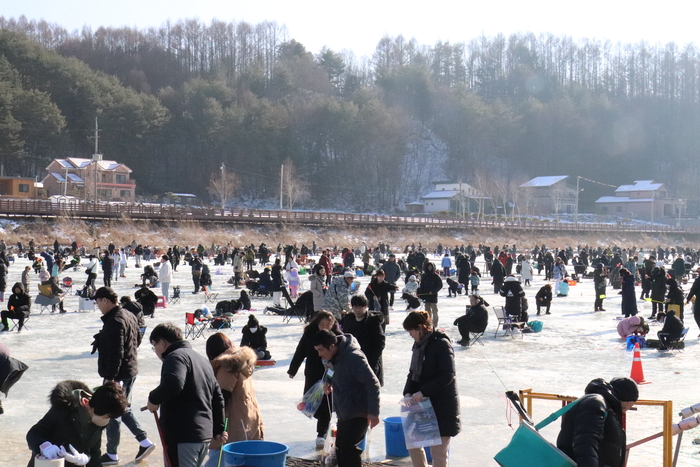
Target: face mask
[[253, 329]]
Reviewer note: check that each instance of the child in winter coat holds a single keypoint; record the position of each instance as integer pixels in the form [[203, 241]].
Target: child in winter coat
[[563, 288], [411, 287], [474, 281], [37, 265], [25, 279], [294, 282], [72, 428]]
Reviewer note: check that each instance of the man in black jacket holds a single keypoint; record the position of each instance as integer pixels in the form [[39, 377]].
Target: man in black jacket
[[430, 285], [672, 330], [591, 432], [117, 343], [695, 292], [190, 400]]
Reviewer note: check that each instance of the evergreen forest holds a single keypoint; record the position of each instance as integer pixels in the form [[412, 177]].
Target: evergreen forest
[[360, 133]]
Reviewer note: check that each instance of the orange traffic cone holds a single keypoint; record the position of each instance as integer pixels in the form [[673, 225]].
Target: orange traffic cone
[[637, 373]]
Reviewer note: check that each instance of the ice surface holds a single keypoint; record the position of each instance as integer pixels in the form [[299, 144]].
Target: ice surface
[[575, 346]]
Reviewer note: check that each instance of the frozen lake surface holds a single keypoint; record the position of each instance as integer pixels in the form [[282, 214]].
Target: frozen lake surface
[[575, 346]]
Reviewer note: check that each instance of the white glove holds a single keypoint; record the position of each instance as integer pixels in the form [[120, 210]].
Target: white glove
[[74, 457], [50, 451]]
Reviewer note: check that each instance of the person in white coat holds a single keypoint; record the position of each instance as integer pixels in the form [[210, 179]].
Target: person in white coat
[[526, 270], [122, 263], [165, 275]]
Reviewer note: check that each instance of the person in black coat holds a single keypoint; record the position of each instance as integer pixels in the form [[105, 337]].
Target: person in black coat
[[136, 309], [147, 299], [514, 294], [591, 432], [464, 267], [117, 344], [695, 292], [367, 327], [107, 265], [189, 397], [600, 276], [498, 273], [254, 336], [314, 369], [674, 296], [76, 418], [475, 320], [658, 290], [543, 298], [277, 283], [430, 285], [432, 374], [672, 330], [18, 307], [629, 297], [379, 289]]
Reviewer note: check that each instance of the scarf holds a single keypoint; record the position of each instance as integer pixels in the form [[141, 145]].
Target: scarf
[[418, 357]]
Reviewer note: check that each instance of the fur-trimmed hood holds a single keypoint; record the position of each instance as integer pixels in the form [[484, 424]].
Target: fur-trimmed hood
[[67, 394]]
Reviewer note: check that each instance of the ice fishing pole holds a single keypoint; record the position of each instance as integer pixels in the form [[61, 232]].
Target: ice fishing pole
[[221, 451]]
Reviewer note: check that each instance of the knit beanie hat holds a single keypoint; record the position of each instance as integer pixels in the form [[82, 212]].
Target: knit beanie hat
[[253, 321], [625, 389]]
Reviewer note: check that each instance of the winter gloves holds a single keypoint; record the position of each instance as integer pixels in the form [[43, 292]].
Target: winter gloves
[[51, 451]]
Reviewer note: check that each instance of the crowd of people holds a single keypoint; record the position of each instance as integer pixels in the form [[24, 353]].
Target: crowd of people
[[345, 332]]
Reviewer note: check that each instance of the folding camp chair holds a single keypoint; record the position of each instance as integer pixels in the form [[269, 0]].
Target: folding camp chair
[[506, 323], [44, 300], [210, 297], [292, 310], [15, 323], [67, 284], [176, 295], [193, 326], [475, 337], [678, 344]]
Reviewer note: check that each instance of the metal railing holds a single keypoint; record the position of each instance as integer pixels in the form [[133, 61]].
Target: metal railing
[[16, 208]]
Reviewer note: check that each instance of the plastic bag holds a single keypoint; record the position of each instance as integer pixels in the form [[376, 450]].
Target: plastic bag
[[312, 398], [328, 456], [420, 425]]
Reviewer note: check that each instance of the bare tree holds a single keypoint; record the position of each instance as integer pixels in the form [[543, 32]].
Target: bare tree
[[223, 185], [293, 188]]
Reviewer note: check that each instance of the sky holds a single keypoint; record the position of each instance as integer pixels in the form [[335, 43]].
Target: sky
[[359, 25]]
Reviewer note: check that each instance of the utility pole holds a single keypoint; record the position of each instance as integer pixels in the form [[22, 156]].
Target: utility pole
[[65, 182], [96, 157], [281, 185], [578, 179], [223, 186]]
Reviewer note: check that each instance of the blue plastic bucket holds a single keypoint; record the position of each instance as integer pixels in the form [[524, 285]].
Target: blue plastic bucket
[[393, 435], [255, 454]]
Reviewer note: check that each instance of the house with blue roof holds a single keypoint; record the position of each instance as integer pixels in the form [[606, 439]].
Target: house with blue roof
[[82, 178]]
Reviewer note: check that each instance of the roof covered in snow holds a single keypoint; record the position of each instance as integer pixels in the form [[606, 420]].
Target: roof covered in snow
[[623, 199], [544, 181], [640, 185], [441, 194], [81, 163]]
